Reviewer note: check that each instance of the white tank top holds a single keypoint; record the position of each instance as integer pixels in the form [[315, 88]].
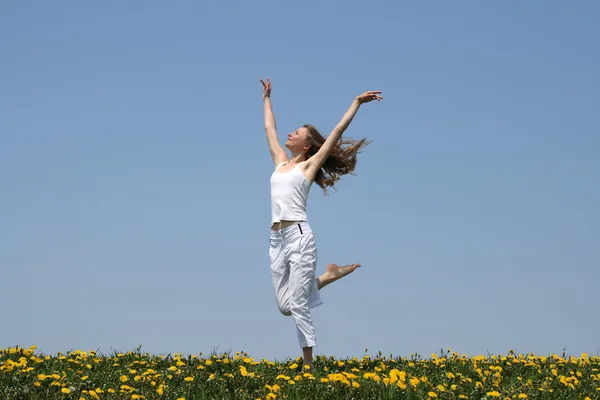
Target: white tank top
[[289, 194]]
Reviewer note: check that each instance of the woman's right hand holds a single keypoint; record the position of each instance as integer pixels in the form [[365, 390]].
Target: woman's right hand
[[266, 88]]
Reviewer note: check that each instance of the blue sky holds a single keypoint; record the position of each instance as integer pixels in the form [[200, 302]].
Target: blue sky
[[135, 174]]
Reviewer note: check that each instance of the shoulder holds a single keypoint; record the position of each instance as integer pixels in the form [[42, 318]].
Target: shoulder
[[281, 164], [281, 160]]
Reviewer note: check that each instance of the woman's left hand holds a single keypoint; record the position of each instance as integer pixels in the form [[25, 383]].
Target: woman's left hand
[[369, 96]]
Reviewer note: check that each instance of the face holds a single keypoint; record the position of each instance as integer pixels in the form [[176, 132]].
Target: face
[[297, 141]]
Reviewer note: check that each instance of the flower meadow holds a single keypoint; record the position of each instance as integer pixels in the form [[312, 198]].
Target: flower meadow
[[25, 374]]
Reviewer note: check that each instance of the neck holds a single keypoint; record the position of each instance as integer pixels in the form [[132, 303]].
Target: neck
[[298, 158]]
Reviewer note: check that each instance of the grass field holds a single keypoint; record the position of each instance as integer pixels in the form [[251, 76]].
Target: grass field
[[25, 374]]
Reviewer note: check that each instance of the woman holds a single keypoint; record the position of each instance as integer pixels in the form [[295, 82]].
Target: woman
[[293, 251]]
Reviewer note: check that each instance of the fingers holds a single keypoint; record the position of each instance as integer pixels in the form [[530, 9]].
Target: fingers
[[371, 95], [267, 84]]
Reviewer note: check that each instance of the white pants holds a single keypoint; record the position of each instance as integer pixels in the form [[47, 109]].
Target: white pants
[[293, 255]]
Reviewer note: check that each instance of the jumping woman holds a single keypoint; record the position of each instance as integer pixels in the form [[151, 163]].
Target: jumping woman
[[293, 250]]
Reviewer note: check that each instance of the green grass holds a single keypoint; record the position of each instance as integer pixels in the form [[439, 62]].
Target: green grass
[[25, 374]]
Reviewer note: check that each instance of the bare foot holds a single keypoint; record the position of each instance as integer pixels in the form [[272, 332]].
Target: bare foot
[[333, 273]]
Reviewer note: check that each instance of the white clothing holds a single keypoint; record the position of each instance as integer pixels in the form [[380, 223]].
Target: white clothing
[[289, 194], [293, 255]]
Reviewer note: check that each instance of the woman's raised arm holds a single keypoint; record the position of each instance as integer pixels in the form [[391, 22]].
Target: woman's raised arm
[[277, 153], [315, 162]]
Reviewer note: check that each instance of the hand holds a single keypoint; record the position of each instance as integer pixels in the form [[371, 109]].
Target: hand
[[369, 96], [266, 88]]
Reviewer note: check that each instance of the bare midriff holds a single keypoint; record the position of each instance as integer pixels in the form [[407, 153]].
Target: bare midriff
[[283, 224]]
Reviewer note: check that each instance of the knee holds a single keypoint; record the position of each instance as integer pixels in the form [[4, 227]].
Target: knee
[[285, 311]]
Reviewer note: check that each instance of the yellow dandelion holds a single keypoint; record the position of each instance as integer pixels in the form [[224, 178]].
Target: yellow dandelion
[[65, 390], [432, 395], [522, 396], [355, 384], [188, 378], [493, 394]]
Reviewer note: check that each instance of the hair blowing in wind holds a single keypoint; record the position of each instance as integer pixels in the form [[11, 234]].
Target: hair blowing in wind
[[341, 161]]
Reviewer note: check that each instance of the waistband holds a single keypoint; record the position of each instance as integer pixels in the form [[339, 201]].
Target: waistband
[[298, 227]]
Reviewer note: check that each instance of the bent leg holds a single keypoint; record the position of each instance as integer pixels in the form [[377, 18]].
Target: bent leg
[[333, 273]]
